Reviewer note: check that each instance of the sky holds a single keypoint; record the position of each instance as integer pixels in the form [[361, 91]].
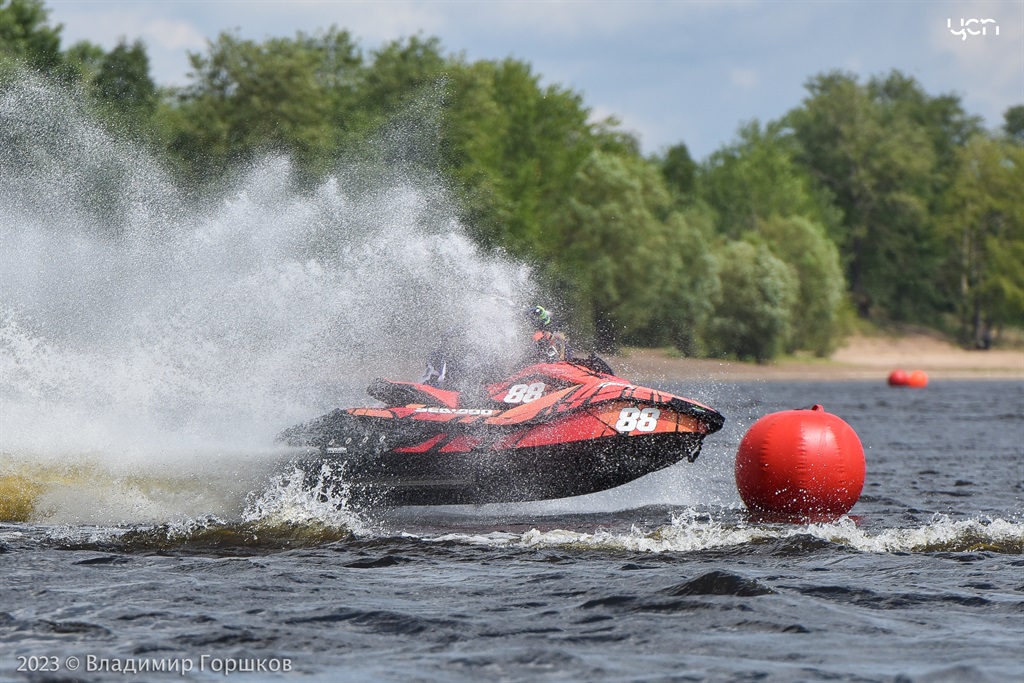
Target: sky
[[670, 71]]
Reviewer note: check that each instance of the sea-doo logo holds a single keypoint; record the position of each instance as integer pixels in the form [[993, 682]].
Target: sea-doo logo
[[456, 411], [970, 27]]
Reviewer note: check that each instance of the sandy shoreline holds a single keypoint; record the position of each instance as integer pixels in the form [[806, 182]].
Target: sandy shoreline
[[860, 357]]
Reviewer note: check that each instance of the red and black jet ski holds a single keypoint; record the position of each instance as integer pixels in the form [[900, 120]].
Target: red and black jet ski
[[551, 430]]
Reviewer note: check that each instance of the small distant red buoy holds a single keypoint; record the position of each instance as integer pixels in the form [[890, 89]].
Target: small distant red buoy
[[917, 379], [801, 463], [898, 378]]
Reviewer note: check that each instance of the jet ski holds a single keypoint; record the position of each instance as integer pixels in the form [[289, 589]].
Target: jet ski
[[550, 430]]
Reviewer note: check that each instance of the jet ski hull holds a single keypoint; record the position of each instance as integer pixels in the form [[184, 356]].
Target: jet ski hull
[[391, 477], [582, 433]]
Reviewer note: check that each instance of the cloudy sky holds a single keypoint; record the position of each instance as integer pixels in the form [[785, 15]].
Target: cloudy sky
[[670, 70]]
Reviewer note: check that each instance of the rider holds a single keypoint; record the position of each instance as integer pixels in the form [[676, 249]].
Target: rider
[[448, 366], [445, 364], [549, 343]]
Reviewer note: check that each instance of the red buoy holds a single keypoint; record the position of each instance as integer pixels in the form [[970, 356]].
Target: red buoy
[[898, 378], [917, 379], [802, 463]]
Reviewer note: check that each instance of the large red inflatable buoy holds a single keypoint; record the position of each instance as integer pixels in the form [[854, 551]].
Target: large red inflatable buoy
[[917, 379], [800, 463], [898, 378]]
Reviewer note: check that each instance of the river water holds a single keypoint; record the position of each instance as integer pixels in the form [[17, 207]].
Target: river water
[[666, 579]]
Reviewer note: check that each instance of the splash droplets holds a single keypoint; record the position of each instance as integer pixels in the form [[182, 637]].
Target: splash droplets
[[136, 326], [222, 321]]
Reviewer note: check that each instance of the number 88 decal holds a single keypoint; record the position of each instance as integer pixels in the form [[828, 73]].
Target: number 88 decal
[[641, 420], [524, 393]]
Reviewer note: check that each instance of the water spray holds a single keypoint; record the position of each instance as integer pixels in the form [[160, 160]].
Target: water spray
[[137, 328]]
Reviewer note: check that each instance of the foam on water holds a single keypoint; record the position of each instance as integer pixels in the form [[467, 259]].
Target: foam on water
[[289, 512], [93, 491], [691, 531], [285, 510], [291, 500]]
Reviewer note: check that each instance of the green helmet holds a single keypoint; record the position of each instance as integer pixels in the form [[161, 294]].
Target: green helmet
[[539, 316]]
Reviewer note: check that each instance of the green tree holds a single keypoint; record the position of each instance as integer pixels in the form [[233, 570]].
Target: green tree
[[248, 99], [881, 165], [685, 286], [514, 149], [756, 178], [941, 118], [679, 169], [817, 311], [121, 82], [118, 81], [984, 229], [393, 120], [85, 59], [397, 73], [26, 36], [1013, 123], [612, 242], [753, 319]]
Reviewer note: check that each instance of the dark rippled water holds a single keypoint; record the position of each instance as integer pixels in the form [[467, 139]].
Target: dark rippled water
[[666, 579]]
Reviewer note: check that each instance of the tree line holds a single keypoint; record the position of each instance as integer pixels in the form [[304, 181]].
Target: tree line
[[868, 200]]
